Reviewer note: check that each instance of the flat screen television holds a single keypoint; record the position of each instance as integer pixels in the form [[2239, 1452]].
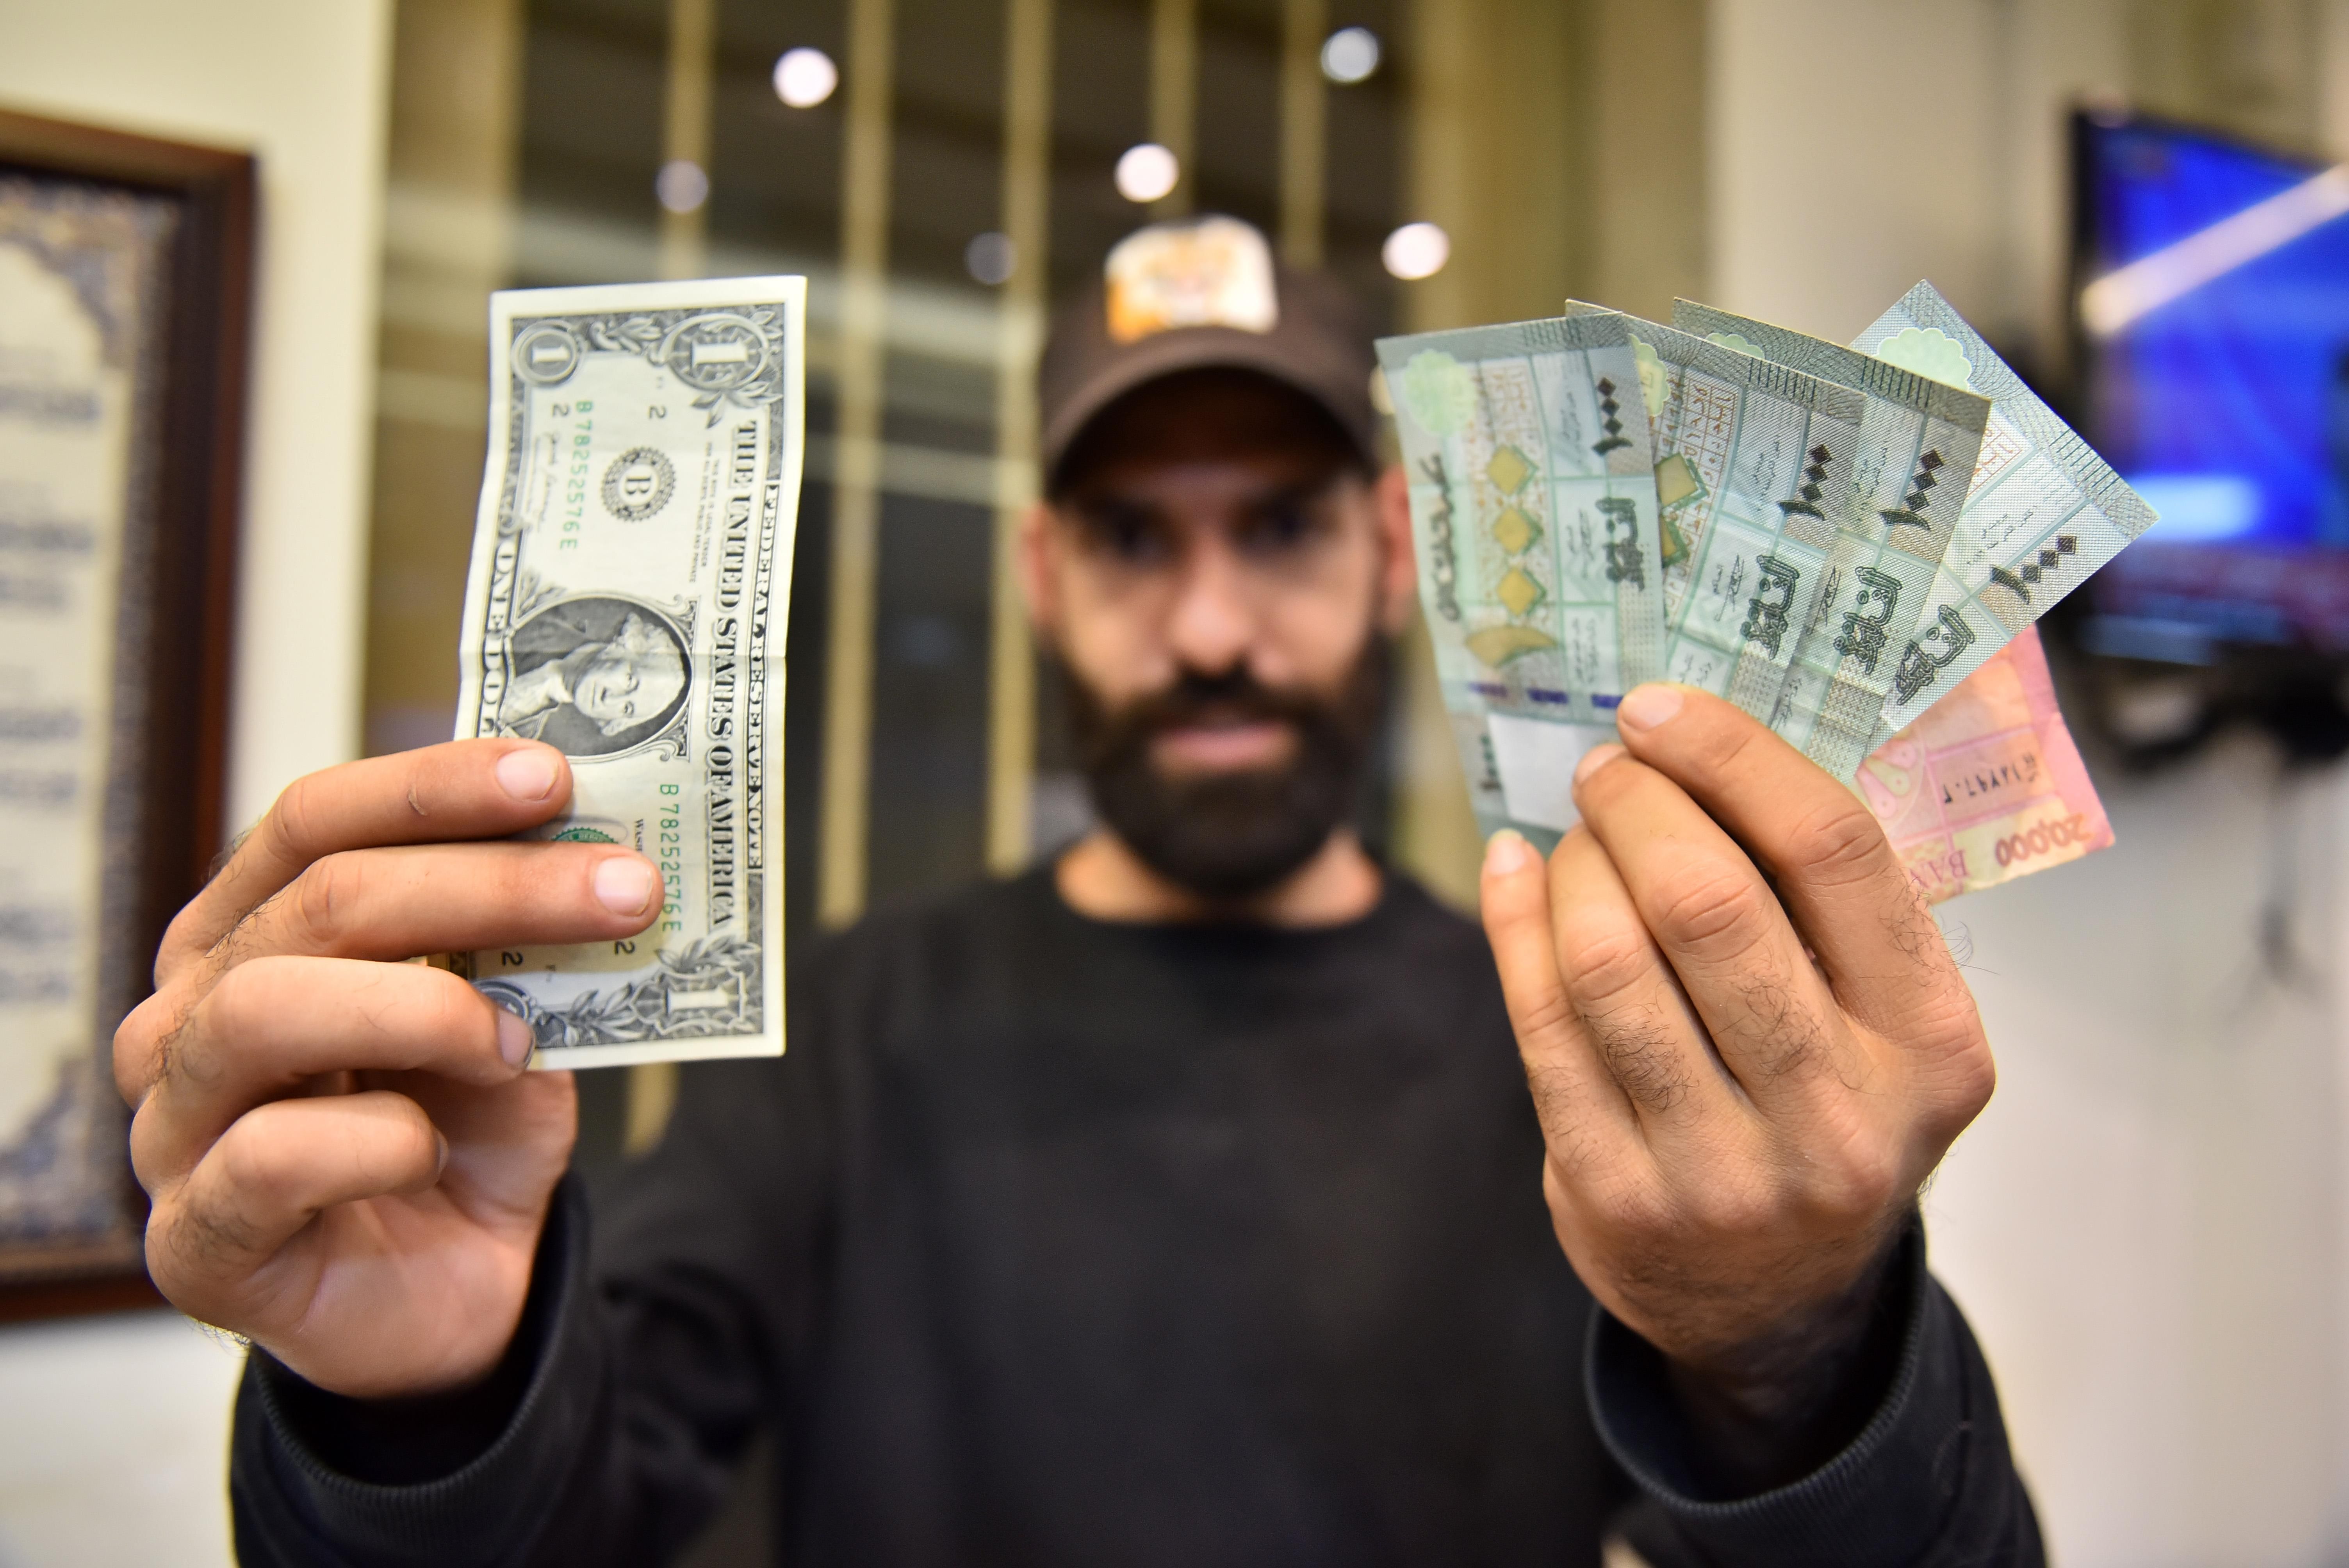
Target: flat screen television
[[2214, 321]]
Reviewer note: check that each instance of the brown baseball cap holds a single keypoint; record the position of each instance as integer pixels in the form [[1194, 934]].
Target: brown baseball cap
[[1194, 295]]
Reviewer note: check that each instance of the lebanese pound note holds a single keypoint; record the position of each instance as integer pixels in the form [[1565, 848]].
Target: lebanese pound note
[[626, 604], [1894, 511], [2042, 512], [1987, 786], [1534, 517], [1749, 455]]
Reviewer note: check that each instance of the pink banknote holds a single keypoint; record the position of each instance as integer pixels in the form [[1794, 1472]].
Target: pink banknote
[[1986, 786]]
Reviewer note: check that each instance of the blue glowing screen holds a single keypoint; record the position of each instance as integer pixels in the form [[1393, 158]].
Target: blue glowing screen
[[2227, 406]]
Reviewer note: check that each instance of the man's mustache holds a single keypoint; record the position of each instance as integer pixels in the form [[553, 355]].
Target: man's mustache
[[1195, 698], [1228, 835]]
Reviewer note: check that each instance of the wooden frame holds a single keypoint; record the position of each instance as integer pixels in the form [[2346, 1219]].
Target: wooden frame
[[165, 762]]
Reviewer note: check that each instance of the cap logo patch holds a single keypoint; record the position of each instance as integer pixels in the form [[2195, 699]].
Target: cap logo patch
[[1215, 272]]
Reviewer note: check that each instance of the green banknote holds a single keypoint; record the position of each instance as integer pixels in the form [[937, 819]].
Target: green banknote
[[2041, 513], [1749, 457], [626, 604], [1894, 510], [1533, 516]]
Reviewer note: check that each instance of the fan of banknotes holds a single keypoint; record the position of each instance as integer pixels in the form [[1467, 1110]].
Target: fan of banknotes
[[1850, 543], [1599, 500]]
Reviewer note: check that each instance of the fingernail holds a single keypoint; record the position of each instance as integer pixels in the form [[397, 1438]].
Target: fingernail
[[1506, 851], [527, 774], [515, 1037], [442, 1139], [1646, 706], [624, 884], [1597, 756]]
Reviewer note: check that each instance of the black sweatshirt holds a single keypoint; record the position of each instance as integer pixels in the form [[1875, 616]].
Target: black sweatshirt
[[1054, 1241]]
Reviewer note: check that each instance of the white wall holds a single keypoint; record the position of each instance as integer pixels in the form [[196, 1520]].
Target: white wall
[[110, 1456], [303, 86], [2147, 1226], [113, 1430]]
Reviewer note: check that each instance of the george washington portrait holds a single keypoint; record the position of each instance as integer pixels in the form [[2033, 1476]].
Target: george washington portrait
[[594, 676]]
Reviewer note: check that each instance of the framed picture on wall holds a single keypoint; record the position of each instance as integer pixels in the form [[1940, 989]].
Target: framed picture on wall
[[125, 284]]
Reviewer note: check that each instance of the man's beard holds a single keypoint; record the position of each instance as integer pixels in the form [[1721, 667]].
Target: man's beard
[[1228, 836]]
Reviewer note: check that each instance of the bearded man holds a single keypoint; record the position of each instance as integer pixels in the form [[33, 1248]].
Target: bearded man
[[1179, 1202]]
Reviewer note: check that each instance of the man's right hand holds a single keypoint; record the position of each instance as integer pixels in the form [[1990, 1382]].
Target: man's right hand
[[348, 1165]]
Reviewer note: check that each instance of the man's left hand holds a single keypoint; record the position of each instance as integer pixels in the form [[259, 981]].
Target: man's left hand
[[1748, 1048]]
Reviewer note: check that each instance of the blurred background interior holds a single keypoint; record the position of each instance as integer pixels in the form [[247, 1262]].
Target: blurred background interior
[[2150, 1225]]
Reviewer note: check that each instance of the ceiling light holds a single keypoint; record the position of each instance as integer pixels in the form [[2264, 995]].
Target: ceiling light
[[991, 258], [804, 77], [1416, 251], [1349, 55], [681, 185], [1146, 172]]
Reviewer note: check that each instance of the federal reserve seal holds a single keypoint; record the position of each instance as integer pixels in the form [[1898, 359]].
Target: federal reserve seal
[[638, 484]]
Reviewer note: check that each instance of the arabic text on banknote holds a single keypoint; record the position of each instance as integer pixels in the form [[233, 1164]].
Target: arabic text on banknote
[[1894, 510], [2043, 512], [1988, 786], [1534, 512], [1844, 537]]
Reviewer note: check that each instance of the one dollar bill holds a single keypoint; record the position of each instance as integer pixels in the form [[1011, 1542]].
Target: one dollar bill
[[626, 604]]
